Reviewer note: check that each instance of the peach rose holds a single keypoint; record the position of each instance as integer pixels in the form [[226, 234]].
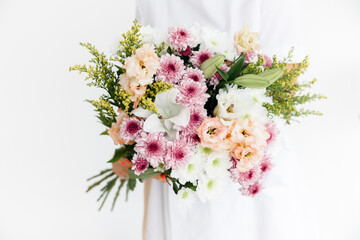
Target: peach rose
[[115, 128], [212, 133], [142, 66], [248, 156], [133, 86]]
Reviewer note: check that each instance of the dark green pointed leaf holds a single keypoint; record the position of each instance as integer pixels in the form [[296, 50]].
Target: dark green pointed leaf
[[235, 70], [149, 173], [104, 132], [132, 184], [175, 187], [223, 74], [119, 153], [122, 182]]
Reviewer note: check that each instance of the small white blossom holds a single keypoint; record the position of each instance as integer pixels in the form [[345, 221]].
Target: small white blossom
[[193, 170], [218, 42], [186, 197]]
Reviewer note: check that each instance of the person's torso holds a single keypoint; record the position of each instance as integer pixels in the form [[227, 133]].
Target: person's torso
[[224, 15]]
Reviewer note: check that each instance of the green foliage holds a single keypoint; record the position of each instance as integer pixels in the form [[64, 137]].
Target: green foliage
[[288, 93], [106, 113], [149, 173], [126, 151], [104, 73], [235, 69], [130, 186], [160, 48]]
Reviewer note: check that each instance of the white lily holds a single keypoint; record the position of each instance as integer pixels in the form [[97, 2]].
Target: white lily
[[171, 112]]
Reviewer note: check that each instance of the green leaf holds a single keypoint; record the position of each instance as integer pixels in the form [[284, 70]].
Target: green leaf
[[235, 70], [119, 153], [104, 132], [100, 174], [149, 173], [100, 181], [122, 182], [175, 187], [190, 185], [104, 120], [251, 81], [130, 186], [209, 66], [106, 190], [223, 74]]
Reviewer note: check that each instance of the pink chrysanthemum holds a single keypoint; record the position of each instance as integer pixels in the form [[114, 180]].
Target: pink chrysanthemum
[[171, 69], [178, 153], [192, 93], [234, 163], [250, 56], [140, 164], [216, 78], [265, 165], [180, 38], [197, 115], [187, 52], [195, 74], [268, 61], [273, 131], [191, 138], [151, 146], [200, 56], [252, 190], [130, 129], [250, 177]]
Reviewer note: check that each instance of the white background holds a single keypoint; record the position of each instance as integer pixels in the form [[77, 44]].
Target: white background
[[49, 142]]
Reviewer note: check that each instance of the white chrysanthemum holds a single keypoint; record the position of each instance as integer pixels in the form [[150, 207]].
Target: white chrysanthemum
[[209, 187], [196, 32], [153, 35], [193, 170], [218, 42], [217, 162], [240, 103], [186, 197]]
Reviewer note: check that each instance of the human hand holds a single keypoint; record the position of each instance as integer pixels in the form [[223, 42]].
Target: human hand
[[121, 167]]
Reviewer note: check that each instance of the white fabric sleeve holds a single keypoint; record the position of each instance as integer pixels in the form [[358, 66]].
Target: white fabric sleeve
[[281, 29]]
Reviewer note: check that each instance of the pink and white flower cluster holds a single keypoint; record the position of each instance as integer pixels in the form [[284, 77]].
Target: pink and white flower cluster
[[181, 137]]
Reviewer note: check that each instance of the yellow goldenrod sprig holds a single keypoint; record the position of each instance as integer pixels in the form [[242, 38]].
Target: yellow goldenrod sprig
[[147, 101], [288, 93], [106, 113], [130, 42], [123, 97]]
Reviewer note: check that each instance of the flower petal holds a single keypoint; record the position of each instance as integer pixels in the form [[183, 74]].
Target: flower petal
[[154, 124], [140, 112], [183, 116], [165, 101]]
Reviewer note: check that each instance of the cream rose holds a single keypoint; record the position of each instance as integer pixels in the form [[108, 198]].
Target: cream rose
[[246, 41]]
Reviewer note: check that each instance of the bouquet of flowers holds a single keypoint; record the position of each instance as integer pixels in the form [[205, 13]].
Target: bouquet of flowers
[[193, 107]]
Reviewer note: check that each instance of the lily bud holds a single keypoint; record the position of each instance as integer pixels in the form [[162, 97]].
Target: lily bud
[[209, 66]]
